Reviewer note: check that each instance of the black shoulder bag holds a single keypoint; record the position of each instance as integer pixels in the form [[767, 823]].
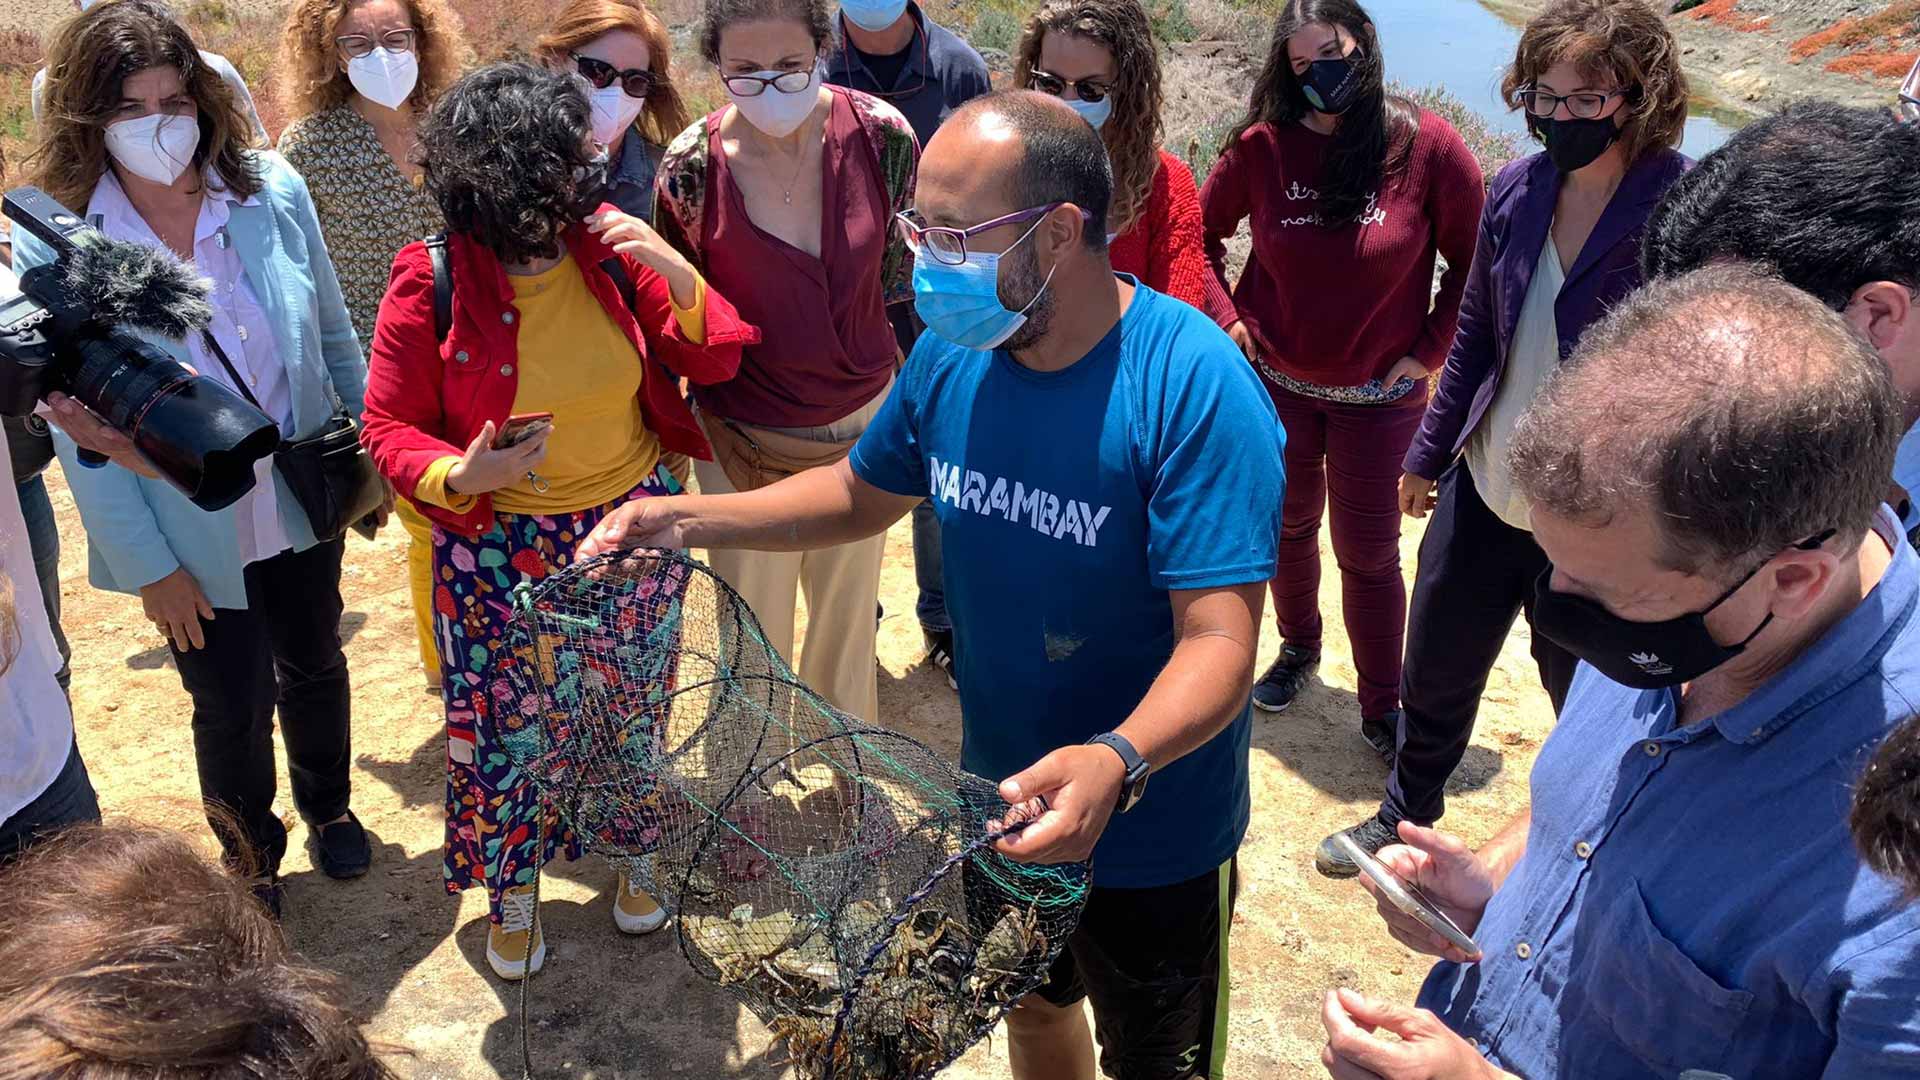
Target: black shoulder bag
[[331, 475]]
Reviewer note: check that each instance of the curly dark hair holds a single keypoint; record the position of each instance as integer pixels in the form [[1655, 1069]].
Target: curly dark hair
[[1886, 808], [500, 150], [815, 15], [1375, 139]]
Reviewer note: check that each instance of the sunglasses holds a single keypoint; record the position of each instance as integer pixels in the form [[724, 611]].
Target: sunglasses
[[634, 82], [359, 45], [1087, 90]]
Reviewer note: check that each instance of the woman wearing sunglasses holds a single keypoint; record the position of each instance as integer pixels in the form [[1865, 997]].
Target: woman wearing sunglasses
[[784, 198], [1601, 86], [543, 395], [1099, 57], [621, 48], [356, 75], [1353, 193]]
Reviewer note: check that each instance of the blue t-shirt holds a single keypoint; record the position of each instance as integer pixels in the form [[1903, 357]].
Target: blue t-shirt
[[1070, 503]]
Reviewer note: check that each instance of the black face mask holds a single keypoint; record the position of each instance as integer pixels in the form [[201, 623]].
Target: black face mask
[[1331, 85], [1576, 144], [1643, 655], [589, 187]]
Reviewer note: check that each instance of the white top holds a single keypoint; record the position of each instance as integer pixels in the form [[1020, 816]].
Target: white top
[[241, 328], [1534, 356], [36, 728]]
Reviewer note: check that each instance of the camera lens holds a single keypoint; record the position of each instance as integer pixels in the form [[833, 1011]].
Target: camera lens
[[201, 436]]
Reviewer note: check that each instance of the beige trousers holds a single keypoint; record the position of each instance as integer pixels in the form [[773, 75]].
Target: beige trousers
[[841, 585]]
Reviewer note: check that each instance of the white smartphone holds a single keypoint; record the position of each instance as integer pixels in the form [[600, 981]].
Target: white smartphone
[[1407, 897]]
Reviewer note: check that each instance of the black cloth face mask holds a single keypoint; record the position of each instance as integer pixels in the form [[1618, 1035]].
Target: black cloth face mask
[[1642, 655], [589, 187], [1331, 85], [1575, 144]]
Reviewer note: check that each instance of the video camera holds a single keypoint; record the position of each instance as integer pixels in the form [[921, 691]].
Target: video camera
[[71, 327]]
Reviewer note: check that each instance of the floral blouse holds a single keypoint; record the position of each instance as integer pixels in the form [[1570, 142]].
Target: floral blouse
[[368, 209]]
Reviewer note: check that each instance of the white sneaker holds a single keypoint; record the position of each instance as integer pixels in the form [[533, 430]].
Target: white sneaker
[[517, 939], [634, 912]]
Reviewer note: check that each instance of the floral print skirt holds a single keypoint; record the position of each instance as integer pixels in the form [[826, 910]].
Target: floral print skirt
[[492, 832]]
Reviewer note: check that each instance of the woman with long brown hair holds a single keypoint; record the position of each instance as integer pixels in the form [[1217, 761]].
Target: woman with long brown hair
[[1601, 86], [1099, 57], [355, 76], [1354, 193], [623, 51], [149, 143]]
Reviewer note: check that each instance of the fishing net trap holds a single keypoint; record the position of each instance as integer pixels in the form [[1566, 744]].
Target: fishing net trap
[[836, 877]]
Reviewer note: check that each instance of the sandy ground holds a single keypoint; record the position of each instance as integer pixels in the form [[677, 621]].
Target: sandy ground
[[610, 1006]]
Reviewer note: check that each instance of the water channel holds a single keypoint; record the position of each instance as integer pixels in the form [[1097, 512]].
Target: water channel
[[1464, 47]]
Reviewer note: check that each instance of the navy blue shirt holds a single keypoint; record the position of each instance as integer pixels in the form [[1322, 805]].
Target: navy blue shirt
[[1070, 503], [941, 74], [1690, 898]]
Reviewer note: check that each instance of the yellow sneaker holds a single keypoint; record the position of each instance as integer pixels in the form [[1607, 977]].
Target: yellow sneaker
[[634, 912], [515, 945]]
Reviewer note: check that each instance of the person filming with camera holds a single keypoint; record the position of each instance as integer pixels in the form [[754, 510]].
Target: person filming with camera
[[149, 144]]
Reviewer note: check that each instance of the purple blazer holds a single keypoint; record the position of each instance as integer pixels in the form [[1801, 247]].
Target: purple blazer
[[1513, 230]]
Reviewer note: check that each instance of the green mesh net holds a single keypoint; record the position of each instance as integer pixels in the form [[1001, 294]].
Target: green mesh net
[[836, 877]]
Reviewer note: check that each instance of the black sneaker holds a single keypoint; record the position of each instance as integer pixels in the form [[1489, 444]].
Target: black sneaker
[[1380, 731], [341, 849], [1282, 682], [940, 653], [1372, 834]]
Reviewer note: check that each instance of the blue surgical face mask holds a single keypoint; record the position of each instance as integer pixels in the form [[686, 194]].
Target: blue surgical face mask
[[962, 303], [1093, 112], [873, 15]]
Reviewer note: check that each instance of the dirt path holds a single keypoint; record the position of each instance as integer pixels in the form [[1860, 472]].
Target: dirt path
[[609, 1006]]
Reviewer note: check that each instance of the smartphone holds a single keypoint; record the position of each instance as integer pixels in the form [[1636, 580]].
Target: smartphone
[[520, 427], [1909, 107], [1406, 896]]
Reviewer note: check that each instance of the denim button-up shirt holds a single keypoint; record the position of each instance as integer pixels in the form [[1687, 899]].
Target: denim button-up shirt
[[1690, 899]]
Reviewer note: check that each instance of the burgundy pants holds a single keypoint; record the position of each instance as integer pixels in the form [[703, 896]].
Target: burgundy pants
[[1347, 457]]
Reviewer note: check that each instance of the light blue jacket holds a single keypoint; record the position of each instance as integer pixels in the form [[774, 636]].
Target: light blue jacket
[[139, 530]]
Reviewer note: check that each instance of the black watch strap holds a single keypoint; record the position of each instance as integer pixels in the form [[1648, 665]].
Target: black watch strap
[[1135, 783]]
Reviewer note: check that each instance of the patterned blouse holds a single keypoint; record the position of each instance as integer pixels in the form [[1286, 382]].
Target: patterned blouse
[[680, 211], [368, 209]]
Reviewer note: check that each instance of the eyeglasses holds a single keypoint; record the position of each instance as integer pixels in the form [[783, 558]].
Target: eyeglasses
[[359, 45], [634, 82], [789, 82], [1087, 90], [949, 246], [1586, 106]]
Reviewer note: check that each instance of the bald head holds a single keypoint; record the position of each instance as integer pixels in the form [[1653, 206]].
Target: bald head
[[1018, 149], [1742, 413]]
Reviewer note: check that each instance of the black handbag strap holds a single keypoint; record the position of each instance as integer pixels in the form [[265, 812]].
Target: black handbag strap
[[443, 284], [239, 383]]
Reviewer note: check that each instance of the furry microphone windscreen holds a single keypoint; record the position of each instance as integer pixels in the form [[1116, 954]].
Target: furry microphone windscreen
[[140, 287]]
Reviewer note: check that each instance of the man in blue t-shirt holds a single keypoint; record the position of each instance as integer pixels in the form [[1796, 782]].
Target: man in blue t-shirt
[[1107, 473]]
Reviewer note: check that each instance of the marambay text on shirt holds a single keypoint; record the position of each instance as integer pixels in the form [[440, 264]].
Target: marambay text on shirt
[[1041, 510]]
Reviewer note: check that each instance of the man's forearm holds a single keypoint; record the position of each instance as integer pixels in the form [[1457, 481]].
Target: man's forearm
[[814, 509], [1501, 853], [1199, 692]]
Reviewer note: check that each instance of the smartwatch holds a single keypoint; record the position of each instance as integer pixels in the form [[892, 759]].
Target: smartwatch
[[1135, 783]]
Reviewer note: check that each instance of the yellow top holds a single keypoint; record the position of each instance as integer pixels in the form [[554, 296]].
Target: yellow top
[[576, 364]]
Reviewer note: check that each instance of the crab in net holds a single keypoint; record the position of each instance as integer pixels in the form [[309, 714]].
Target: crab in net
[[838, 878]]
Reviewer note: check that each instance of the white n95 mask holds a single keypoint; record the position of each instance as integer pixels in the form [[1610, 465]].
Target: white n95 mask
[[158, 147], [385, 76]]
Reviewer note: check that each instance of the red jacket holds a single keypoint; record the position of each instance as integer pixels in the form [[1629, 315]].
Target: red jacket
[[428, 399]]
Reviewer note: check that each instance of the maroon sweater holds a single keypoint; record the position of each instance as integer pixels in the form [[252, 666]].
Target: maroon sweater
[[1339, 306]]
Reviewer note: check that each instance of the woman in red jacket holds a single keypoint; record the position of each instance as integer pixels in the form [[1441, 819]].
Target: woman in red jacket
[[1353, 193], [540, 323], [1099, 57]]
